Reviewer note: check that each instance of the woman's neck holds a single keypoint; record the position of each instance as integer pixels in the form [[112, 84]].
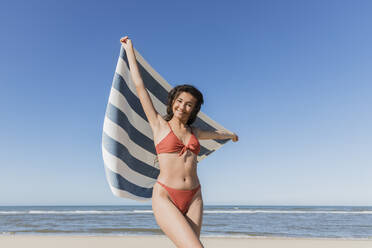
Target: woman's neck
[[179, 124]]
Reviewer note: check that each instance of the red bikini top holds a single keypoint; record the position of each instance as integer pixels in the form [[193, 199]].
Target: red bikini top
[[171, 143]]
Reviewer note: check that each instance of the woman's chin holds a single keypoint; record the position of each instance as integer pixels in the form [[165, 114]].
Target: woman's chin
[[178, 114]]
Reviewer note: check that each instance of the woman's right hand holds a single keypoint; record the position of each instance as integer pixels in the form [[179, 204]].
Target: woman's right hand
[[126, 42]]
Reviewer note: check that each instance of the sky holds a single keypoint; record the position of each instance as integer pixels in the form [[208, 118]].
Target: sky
[[291, 78]]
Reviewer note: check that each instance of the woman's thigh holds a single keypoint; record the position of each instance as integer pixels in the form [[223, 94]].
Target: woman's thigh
[[195, 213], [171, 220]]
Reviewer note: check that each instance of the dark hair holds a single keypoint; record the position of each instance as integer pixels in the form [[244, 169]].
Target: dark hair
[[175, 92]]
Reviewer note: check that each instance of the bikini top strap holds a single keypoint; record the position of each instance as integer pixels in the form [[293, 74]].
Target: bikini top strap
[[169, 126], [192, 132]]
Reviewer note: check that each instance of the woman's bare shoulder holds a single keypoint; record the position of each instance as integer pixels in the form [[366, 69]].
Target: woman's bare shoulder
[[195, 130]]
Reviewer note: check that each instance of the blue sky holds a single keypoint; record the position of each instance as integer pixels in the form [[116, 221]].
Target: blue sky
[[291, 78]]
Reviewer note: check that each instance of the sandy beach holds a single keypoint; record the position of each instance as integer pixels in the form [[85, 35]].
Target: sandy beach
[[15, 241]]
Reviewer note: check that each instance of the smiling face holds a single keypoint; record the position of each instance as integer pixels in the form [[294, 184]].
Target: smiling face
[[183, 106]]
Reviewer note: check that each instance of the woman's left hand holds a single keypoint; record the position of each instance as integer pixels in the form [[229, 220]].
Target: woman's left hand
[[235, 137]]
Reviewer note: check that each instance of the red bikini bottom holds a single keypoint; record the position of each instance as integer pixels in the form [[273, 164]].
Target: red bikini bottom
[[181, 198]]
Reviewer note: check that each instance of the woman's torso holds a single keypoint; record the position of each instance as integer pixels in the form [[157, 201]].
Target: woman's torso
[[177, 170]]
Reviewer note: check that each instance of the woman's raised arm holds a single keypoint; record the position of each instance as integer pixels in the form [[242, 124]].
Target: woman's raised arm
[[217, 134], [148, 107]]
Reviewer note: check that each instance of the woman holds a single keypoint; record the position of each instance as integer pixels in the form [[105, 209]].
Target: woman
[[176, 201]]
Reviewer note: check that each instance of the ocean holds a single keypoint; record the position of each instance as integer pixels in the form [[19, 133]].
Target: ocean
[[343, 222]]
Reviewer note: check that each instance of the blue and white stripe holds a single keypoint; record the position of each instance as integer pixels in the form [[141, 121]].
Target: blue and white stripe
[[127, 141]]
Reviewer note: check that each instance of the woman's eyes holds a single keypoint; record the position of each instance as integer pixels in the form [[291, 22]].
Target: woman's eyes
[[189, 104]]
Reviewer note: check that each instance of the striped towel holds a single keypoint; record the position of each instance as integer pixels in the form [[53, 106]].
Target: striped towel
[[127, 141]]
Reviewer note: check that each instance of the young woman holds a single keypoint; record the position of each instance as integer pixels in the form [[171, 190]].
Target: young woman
[[176, 201]]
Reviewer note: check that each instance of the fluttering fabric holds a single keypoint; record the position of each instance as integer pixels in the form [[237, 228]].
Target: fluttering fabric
[[128, 148]]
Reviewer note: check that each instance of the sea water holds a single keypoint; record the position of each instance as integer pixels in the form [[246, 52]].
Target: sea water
[[350, 222]]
